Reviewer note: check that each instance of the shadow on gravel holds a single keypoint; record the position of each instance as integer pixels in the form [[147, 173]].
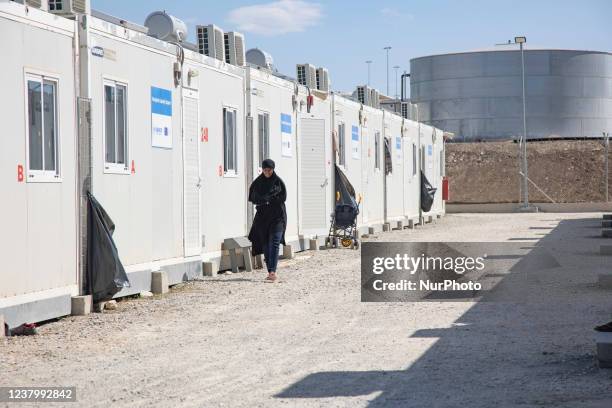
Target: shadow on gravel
[[531, 345]]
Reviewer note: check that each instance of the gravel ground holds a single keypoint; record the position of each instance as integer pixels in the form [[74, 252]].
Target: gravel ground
[[234, 340]]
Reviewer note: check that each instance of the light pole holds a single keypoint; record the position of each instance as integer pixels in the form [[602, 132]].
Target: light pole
[[387, 49], [523, 145], [521, 41], [396, 68], [607, 149], [369, 62]]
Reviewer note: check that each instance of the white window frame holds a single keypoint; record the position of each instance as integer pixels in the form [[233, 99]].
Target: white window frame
[[259, 144], [42, 176], [342, 146], [116, 168], [232, 172]]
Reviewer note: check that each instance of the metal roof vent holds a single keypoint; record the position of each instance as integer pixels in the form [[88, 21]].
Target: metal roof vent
[[165, 27]]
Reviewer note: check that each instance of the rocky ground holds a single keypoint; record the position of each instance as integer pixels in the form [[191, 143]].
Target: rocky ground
[[308, 341], [567, 171]]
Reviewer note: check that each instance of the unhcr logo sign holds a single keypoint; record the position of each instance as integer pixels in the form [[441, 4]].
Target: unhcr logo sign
[[436, 271]]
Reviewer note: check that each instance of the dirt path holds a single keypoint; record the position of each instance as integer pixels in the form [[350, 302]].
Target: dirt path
[[308, 341]]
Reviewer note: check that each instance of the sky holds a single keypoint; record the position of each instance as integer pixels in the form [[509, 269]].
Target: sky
[[342, 34]]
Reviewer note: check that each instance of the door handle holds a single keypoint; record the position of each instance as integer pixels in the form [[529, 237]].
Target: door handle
[[325, 183], [199, 184]]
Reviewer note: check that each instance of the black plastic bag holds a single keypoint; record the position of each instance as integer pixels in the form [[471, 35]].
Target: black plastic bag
[[345, 193], [388, 162], [427, 193], [105, 273]]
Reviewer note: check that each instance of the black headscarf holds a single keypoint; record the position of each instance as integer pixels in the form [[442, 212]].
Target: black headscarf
[[269, 195]]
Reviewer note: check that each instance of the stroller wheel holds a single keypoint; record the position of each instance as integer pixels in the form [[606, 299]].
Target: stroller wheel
[[355, 244], [327, 242], [347, 242]]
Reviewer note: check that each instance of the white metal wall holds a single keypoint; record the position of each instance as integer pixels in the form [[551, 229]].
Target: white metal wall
[[412, 181], [397, 181], [39, 239], [223, 195], [347, 111], [373, 179], [145, 202]]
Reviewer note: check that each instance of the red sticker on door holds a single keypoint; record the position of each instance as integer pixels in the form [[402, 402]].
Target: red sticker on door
[[220, 170], [133, 167], [204, 134], [19, 173]]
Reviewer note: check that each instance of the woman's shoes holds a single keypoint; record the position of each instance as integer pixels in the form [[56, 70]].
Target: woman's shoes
[[271, 278]]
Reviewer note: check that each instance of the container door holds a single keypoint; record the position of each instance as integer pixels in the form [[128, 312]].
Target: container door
[[192, 233], [312, 174]]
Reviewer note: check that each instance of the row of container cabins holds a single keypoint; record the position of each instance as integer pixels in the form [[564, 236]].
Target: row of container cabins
[[84, 107]]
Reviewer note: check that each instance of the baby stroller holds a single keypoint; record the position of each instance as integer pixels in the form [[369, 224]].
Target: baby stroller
[[343, 228]]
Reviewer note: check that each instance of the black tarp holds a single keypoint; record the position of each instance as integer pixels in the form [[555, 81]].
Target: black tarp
[[427, 193], [347, 207], [105, 273], [388, 162]]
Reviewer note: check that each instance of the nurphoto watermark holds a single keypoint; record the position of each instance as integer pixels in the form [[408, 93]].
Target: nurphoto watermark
[[435, 271]]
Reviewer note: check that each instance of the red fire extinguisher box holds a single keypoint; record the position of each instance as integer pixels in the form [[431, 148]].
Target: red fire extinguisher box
[[445, 188]]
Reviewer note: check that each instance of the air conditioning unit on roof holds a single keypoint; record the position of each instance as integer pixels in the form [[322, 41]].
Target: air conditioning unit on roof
[[322, 79], [307, 75], [69, 7], [234, 48], [211, 41]]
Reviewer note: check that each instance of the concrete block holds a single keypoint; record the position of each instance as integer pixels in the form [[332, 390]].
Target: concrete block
[[604, 280], [159, 282], [287, 251], [438, 216], [2, 334], [604, 349], [248, 259], [386, 227], [313, 244], [606, 233], [411, 224], [607, 216], [209, 269], [429, 219], [400, 225], [606, 224], [81, 305], [371, 231], [605, 250]]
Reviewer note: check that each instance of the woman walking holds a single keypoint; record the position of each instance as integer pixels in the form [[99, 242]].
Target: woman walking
[[269, 194]]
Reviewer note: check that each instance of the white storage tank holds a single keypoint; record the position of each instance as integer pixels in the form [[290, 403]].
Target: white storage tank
[[166, 27]]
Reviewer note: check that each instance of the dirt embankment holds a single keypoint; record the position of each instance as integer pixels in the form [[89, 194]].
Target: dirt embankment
[[488, 172]]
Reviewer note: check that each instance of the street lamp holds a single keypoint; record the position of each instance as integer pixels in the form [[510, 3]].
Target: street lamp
[[520, 41], [396, 68], [368, 62], [387, 49]]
